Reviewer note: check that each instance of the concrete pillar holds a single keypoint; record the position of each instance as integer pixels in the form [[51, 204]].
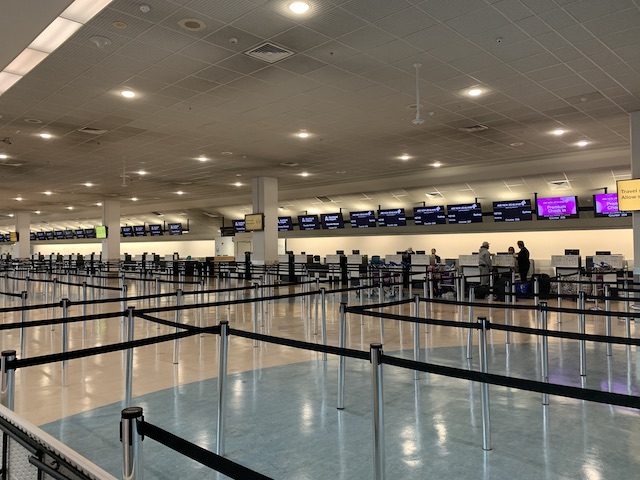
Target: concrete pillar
[[265, 200], [22, 248], [111, 219], [635, 173]]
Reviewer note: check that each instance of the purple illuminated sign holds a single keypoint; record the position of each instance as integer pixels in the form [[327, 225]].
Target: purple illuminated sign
[[606, 205], [558, 208]]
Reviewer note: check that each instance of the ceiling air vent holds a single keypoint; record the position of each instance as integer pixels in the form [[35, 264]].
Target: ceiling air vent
[[92, 131], [324, 199], [269, 52], [473, 128], [560, 185]]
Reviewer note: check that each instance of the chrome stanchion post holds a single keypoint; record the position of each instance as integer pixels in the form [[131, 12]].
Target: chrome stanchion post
[[472, 297], [463, 287], [123, 301], [416, 335], [54, 298], [128, 382], [544, 367], [176, 342], [131, 443], [255, 312], [84, 308], [626, 308], [7, 382], [484, 387], [342, 361], [222, 385], [607, 325], [583, 343], [536, 296], [23, 321], [378, 412], [65, 339], [324, 321], [507, 311], [559, 299]]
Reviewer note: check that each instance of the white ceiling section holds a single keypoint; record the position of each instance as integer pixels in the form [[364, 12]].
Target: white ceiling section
[[542, 64]]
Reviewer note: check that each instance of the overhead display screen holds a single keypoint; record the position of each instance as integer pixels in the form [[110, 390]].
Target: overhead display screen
[[126, 231], [175, 229], [80, 233], [59, 234], [464, 213], [101, 231], [429, 215], [366, 219], [155, 230], [285, 224], [628, 194], [139, 231], [308, 222], [49, 235], [512, 211], [332, 221], [69, 234], [558, 208], [41, 236], [606, 205], [392, 218], [32, 236], [90, 233], [239, 226]]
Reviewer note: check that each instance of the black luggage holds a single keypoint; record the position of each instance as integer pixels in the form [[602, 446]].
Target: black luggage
[[544, 283], [500, 288], [481, 291]]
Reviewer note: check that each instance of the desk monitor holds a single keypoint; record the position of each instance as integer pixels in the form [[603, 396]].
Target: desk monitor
[[339, 252], [355, 252], [558, 208], [603, 252], [421, 252], [572, 251]]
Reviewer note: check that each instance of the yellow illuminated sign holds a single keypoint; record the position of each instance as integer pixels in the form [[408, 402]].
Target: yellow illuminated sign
[[254, 222], [628, 194]]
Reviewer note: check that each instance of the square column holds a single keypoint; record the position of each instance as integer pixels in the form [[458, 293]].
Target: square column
[[634, 118], [265, 200], [22, 248], [111, 219]]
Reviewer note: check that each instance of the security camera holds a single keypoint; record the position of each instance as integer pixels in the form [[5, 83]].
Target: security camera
[[6, 140]]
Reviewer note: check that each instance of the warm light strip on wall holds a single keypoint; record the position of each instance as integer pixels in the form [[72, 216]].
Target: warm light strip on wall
[[58, 32]]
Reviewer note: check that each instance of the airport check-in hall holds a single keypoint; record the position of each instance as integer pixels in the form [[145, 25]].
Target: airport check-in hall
[[351, 239]]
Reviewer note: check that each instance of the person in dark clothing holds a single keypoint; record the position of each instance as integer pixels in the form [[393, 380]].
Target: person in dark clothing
[[523, 261]]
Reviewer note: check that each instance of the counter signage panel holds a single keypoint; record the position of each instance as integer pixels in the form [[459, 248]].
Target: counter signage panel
[[392, 218], [558, 208], [606, 205], [365, 219], [126, 231], [139, 231], [155, 230], [332, 221], [175, 229], [628, 194], [429, 215], [308, 222], [464, 213], [239, 226], [512, 211], [285, 224]]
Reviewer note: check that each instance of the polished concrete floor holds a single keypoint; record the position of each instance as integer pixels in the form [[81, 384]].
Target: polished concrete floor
[[282, 416]]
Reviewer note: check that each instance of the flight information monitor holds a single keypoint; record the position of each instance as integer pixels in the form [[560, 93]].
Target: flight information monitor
[[331, 221], [139, 231], [429, 215], [80, 233], [59, 234], [606, 205], [464, 213], [366, 219], [558, 208], [239, 226], [512, 211], [126, 231], [155, 230], [175, 229], [285, 224], [308, 222], [394, 217], [90, 233]]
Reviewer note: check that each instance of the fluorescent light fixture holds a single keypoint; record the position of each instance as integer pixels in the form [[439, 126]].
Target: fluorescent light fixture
[[19, 199], [128, 93], [55, 35], [25, 62], [99, 204], [37, 212], [7, 80], [299, 7], [134, 199], [84, 10], [436, 164], [238, 184], [69, 208]]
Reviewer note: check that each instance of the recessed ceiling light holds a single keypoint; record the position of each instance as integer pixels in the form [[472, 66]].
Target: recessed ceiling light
[[558, 132], [179, 192], [516, 144], [475, 92], [134, 199], [341, 172], [37, 212], [141, 172], [436, 164], [32, 120], [99, 204], [69, 208], [45, 135], [304, 174], [299, 7], [19, 198], [226, 153], [582, 143], [405, 157], [10, 215], [202, 158], [128, 93], [48, 192], [3, 156], [88, 184], [302, 134], [238, 184]]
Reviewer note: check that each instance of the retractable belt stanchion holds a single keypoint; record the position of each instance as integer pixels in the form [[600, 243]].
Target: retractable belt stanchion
[[507, 311], [65, 340], [128, 382], [472, 297], [342, 360], [255, 312], [626, 308], [324, 321], [84, 309], [559, 299], [416, 335], [378, 412], [544, 360], [176, 342], [607, 307], [536, 297], [583, 343], [222, 385], [23, 320], [7, 382], [486, 419], [131, 443]]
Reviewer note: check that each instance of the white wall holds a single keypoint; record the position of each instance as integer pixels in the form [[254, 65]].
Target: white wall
[[195, 248]]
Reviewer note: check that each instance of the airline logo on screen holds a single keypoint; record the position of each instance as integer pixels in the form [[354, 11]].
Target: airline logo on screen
[[629, 194]]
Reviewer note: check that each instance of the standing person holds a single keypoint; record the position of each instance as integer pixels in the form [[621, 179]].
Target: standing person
[[523, 261], [434, 259], [485, 264]]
